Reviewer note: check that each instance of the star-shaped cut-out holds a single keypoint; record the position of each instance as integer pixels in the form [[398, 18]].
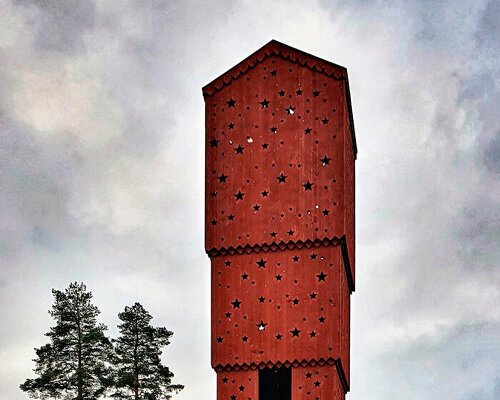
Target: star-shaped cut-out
[[241, 388], [220, 339], [239, 149], [325, 121], [295, 332], [295, 301], [321, 277], [313, 334], [230, 125], [307, 131], [281, 178], [230, 217], [244, 338], [325, 160], [273, 72], [213, 194], [264, 103], [290, 232], [313, 295], [228, 263], [222, 178], [265, 145], [273, 129], [236, 303], [317, 383], [295, 258], [224, 380], [299, 92], [309, 375], [273, 234], [290, 110], [232, 397], [261, 325], [239, 195], [281, 93], [214, 142], [321, 319], [256, 207], [278, 277], [313, 256], [261, 263], [264, 193], [244, 276], [316, 93], [228, 314], [307, 185], [213, 222], [278, 336], [262, 299], [325, 211], [230, 103]]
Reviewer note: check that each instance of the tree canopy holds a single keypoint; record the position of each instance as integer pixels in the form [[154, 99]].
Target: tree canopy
[[81, 363], [75, 364], [140, 372]]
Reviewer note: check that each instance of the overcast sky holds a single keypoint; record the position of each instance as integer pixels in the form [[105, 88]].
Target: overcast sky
[[102, 166]]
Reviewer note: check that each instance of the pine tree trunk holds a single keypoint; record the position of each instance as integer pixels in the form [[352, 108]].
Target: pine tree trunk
[[80, 383], [136, 389], [79, 371], [136, 371]]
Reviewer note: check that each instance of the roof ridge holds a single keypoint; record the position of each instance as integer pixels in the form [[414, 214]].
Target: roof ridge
[[294, 55], [277, 49]]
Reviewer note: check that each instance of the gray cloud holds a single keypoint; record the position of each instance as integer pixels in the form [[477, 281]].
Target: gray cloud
[[489, 29], [447, 367], [60, 25], [35, 184], [101, 175], [491, 153]]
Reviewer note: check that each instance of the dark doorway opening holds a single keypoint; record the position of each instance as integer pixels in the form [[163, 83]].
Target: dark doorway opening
[[275, 384]]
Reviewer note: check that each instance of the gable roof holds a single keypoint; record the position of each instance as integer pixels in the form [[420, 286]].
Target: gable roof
[[286, 52]]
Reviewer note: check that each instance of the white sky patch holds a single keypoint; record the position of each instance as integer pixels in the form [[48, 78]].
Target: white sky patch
[[13, 27], [126, 196], [66, 98]]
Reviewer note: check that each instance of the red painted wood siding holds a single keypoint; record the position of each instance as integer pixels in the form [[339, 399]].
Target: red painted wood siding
[[279, 221]]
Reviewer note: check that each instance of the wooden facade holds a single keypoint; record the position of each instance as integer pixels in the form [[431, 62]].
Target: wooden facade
[[279, 222]]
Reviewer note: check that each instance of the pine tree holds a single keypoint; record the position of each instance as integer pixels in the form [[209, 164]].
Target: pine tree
[[76, 362], [140, 373]]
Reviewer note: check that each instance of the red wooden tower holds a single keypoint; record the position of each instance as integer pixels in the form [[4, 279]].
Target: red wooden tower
[[279, 226]]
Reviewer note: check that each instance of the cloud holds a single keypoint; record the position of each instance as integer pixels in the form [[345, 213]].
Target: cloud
[[60, 25], [458, 363], [101, 175], [65, 98], [35, 184], [488, 30]]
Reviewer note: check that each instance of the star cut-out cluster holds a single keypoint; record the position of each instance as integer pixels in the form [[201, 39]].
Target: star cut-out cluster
[[317, 383], [274, 301], [275, 151], [275, 161], [241, 385]]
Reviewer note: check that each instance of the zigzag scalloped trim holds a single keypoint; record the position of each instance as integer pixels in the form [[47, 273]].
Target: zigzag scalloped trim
[[295, 363], [273, 246]]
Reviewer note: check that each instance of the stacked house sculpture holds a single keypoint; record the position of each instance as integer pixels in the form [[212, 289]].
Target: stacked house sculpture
[[279, 226]]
